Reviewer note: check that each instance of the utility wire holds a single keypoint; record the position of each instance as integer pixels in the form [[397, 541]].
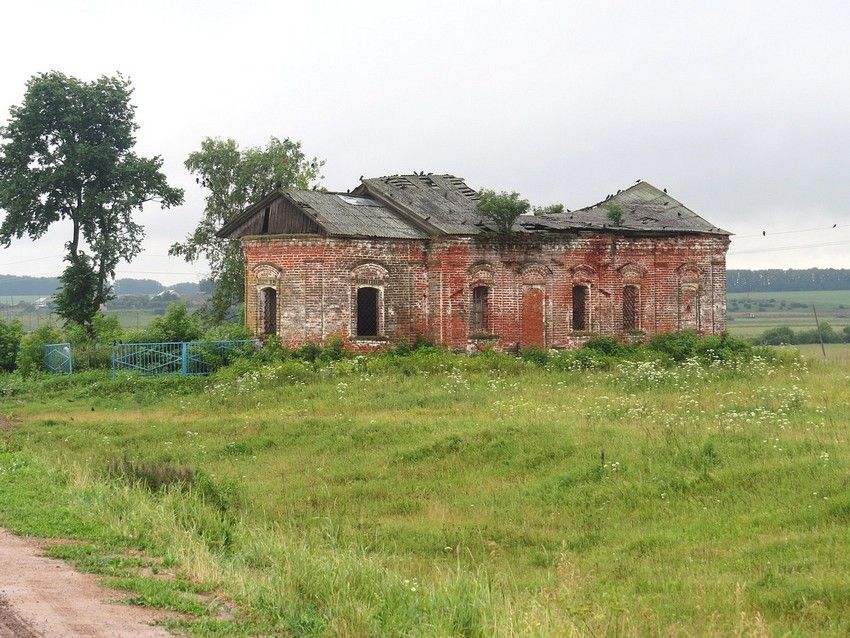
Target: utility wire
[[767, 233], [783, 248]]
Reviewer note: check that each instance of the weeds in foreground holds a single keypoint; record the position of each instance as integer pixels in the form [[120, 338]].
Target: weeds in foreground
[[430, 494]]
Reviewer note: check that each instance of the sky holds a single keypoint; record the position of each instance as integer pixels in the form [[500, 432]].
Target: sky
[[740, 109]]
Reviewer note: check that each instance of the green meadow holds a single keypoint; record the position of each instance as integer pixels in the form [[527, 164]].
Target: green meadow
[[751, 313], [433, 494]]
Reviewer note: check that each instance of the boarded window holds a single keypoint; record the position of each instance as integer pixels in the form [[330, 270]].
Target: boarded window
[[268, 311], [479, 320], [580, 308], [630, 308], [367, 312]]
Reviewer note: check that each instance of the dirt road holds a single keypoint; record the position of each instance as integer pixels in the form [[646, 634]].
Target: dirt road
[[43, 597]]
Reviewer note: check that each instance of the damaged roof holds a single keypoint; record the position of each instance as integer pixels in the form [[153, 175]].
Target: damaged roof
[[643, 208], [419, 206], [353, 216]]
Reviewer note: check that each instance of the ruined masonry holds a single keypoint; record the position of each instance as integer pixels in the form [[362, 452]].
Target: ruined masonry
[[408, 256]]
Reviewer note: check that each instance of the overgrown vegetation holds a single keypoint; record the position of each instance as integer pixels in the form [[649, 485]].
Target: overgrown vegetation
[[615, 213], [785, 335], [501, 209], [420, 492]]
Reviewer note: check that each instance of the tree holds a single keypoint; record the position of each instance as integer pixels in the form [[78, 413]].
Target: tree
[[236, 178], [77, 300], [67, 154], [551, 209], [615, 213], [502, 209]]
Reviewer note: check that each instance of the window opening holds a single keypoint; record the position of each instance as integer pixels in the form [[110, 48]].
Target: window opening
[[367, 312]]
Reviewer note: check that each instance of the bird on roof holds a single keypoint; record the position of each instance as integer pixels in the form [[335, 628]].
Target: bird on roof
[[361, 178], [637, 181], [665, 190], [763, 233]]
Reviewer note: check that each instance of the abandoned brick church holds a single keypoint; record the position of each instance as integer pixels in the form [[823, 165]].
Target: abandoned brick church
[[408, 256]]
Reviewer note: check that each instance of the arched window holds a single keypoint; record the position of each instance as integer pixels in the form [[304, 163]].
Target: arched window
[[268, 312], [479, 318], [631, 296], [581, 308], [368, 311]]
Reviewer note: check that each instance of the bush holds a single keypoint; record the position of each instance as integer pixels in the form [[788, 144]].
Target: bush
[[177, 324], [679, 346], [10, 342], [535, 355], [227, 331], [31, 353], [605, 345], [724, 348], [94, 350], [781, 335]]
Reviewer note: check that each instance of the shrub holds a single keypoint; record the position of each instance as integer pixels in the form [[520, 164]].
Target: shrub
[[227, 331], [31, 353], [502, 209], [11, 334], [605, 345], [535, 355], [177, 324], [677, 345], [781, 335]]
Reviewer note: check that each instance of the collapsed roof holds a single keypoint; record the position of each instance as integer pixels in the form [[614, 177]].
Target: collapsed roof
[[419, 206]]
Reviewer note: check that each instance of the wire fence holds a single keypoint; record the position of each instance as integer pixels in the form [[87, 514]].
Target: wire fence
[[174, 357], [177, 357], [58, 358]]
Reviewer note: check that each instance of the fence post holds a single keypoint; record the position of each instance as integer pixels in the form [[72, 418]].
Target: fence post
[[184, 351]]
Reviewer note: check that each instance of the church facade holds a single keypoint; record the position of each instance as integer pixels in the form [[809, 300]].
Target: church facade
[[408, 256]]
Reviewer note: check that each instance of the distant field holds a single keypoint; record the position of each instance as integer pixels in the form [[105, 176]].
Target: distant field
[[32, 319], [751, 313]]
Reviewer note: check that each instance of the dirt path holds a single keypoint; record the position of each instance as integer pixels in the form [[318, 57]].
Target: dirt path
[[43, 597]]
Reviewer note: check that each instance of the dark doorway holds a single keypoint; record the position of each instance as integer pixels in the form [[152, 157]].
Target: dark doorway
[[268, 311], [367, 312], [580, 319], [630, 308]]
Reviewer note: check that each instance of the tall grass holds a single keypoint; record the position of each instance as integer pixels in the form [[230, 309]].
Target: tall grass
[[431, 494]]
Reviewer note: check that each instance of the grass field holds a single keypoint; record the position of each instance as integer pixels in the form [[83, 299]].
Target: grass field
[[449, 496], [751, 313], [32, 319]]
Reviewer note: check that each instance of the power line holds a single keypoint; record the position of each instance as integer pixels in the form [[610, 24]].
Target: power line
[[792, 232], [783, 248], [26, 261]]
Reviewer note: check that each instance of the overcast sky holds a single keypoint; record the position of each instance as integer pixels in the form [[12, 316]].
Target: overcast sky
[[740, 109]]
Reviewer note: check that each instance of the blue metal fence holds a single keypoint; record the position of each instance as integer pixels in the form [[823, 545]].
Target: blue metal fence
[[58, 359], [176, 357]]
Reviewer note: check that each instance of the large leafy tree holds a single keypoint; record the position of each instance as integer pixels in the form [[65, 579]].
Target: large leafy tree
[[235, 178], [67, 154]]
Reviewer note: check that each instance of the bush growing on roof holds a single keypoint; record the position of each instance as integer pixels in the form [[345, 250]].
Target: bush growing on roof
[[502, 209]]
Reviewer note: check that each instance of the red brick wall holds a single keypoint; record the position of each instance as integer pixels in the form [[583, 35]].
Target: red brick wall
[[426, 286]]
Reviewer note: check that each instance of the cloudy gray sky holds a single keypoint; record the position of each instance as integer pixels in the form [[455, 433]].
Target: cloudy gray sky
[[740, 109]]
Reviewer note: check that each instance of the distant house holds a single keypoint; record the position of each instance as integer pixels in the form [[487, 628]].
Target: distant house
[[409, 255], [43, 302]]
